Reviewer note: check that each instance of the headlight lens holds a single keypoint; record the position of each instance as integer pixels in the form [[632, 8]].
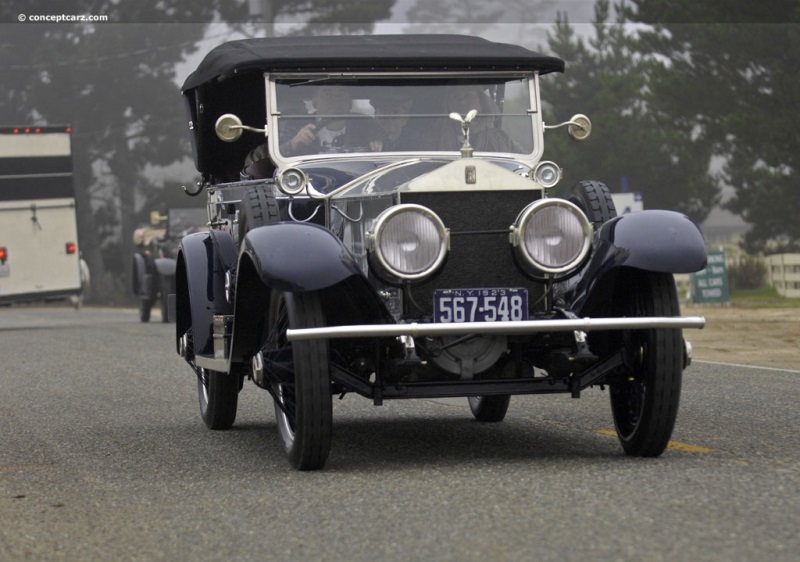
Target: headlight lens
[[409, 242], [553, 236]]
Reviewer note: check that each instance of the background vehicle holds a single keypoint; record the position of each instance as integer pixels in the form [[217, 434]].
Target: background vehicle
[[341, 261], [156, 249], [39, 253]]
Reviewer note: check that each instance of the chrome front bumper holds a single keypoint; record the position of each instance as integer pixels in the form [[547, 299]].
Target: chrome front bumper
[[501, 328]]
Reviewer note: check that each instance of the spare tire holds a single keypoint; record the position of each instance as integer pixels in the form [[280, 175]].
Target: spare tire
[[258, 208], [594, 199]]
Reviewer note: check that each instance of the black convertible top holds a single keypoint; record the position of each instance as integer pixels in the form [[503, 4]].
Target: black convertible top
[[366, 52]]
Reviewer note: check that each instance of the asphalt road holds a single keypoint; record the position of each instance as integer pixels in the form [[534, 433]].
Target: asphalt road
[[103, 456]]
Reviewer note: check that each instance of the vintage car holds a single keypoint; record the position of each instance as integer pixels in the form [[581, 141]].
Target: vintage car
[[382, 225], [155, 250]]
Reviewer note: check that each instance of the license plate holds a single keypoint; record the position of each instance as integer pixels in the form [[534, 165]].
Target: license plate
[[480, 305]]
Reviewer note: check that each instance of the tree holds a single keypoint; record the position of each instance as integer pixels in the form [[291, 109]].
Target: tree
[[115, 84], [633, 143], [471, 17], [317, 17], [729, 79]]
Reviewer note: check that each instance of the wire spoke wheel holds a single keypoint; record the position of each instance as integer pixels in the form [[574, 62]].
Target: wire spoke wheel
[[646, 394], [299, 374], [219, 398]]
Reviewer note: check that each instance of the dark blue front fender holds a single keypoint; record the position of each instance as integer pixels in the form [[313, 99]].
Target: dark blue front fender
[[203, 259], [658, 241], [298, 257], [663, 241]]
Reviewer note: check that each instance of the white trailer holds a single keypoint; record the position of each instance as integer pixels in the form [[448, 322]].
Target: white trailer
[[39, 253]]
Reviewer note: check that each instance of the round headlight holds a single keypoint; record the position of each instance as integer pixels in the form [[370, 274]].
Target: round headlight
[[409, 242], [547, 174], [292, 181], [553, 236]]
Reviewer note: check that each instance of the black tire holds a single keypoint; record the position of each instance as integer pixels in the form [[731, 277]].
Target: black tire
[[305, 427], [219, 398], [167, 287], [594, 199], [489, 408], [258, 208], [145, 305], [646, 394]]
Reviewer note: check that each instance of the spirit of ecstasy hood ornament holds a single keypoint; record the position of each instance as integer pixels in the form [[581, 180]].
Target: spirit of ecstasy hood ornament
[[466, 149]]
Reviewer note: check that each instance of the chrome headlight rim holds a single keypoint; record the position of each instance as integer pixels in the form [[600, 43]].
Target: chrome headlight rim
[[535, 266], [386, 269], [547, 174], [291, 181]]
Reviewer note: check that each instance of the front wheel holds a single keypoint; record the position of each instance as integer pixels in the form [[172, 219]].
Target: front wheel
[[300, 377], [646, 393], [489, 408], [167, 287], [219, 398], [145, 306]]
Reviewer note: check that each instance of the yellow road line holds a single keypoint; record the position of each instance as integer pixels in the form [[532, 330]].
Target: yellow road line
[[673, 445], [686, 448]]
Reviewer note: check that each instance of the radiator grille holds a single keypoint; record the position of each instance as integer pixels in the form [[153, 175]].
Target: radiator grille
[[480, 252]]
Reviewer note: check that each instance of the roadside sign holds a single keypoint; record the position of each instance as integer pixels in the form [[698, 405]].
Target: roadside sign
[[628, 202], [711, 284]]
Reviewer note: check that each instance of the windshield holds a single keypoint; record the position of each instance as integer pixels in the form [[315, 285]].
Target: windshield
[[402, 114]]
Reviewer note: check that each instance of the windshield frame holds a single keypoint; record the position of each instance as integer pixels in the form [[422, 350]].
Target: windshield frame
[[533, 113]]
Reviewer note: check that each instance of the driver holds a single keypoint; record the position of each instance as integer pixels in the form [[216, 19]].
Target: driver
[[322, 131], [327, 132]]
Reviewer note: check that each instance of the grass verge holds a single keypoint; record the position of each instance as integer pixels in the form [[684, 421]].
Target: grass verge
[[765, 297]]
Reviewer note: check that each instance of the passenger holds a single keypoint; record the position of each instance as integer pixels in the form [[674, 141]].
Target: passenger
[[483, 135], [392, 109]]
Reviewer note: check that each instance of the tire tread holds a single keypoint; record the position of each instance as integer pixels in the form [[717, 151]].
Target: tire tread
[[595, 199], [664, 368]]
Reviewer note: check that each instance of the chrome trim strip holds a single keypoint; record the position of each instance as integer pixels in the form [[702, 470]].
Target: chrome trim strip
[[519, 327]]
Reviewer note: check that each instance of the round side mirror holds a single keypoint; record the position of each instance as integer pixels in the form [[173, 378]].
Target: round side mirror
[[580, 127], [228, 127]]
